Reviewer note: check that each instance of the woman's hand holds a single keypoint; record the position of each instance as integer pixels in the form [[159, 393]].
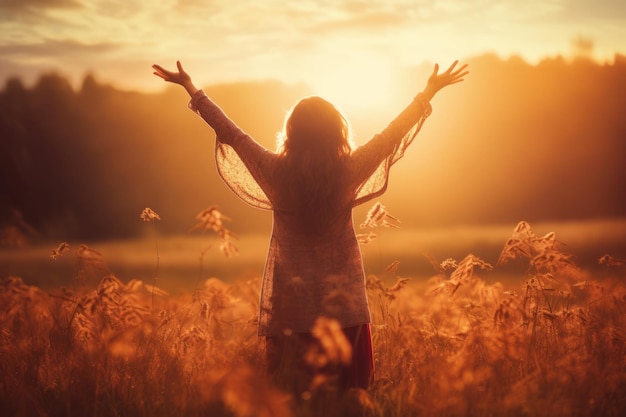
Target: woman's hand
[[180, 77], [438, 81]]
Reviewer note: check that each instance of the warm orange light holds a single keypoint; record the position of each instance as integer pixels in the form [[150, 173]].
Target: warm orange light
[[355, 83]]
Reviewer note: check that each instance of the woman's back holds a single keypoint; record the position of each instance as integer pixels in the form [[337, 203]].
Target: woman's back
[[314, 255], [312, 198]]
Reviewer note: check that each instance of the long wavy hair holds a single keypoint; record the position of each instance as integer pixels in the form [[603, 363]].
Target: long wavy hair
[[315, 143]]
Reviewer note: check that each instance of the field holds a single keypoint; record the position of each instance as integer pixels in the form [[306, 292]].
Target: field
[[549, 341]]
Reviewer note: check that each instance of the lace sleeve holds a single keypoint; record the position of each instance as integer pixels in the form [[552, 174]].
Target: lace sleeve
[[371, 162], [243, 164]]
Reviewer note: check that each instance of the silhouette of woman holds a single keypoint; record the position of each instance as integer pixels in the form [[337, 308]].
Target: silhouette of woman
[[311, 183]]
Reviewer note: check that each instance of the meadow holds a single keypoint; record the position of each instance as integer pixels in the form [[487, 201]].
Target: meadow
[[548, 341]]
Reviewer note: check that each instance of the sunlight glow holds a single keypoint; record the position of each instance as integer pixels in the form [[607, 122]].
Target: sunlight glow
[[355, 83]]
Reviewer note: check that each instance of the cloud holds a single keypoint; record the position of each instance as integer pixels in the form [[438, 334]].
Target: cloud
[[39, 4], [27, 19], [376, 20], [55, 48], [12, 9], [604, 10]]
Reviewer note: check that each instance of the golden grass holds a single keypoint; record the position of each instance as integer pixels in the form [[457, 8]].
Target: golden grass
[[553, 344]]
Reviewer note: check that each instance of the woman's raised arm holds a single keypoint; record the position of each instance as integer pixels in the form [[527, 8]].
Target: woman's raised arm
[[374, 158]]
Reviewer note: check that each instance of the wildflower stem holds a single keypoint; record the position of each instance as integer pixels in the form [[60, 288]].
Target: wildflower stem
[[156, 273], [202, 253]]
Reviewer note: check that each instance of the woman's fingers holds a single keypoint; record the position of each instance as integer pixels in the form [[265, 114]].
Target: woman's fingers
[[456, 75], [460, 70], [455, 81], [159, 68], [449, 70], [434, 74], [161, 72]]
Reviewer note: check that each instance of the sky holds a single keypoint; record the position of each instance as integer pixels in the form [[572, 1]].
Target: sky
[[334, 46]]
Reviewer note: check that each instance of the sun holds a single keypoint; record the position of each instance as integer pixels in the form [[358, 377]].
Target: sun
[[355, 84]]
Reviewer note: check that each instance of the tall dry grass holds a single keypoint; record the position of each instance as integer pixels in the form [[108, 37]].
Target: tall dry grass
[[555, 344]]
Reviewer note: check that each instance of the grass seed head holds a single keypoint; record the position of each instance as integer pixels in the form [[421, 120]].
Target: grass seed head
[[60, 250], [149, 215], [379, 216]]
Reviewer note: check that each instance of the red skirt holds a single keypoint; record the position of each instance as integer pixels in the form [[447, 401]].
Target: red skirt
[[285, 356]]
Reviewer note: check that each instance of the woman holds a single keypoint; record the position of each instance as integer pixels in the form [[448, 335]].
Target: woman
[[311, 183]]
